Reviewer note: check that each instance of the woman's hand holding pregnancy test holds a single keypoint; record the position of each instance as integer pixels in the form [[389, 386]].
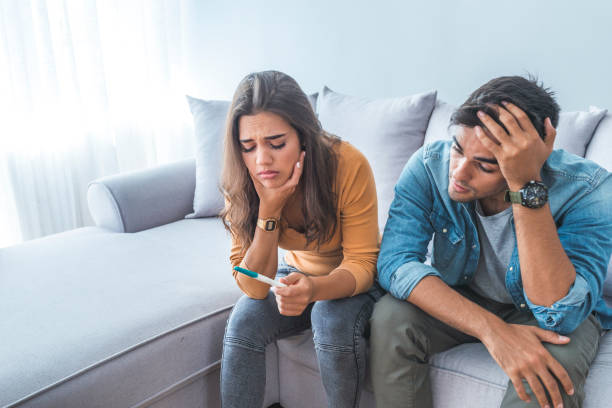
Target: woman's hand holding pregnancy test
[[293, 299], [293, 294]]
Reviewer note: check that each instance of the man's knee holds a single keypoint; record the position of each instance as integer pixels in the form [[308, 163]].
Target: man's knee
[[577, 355], [396, 322]]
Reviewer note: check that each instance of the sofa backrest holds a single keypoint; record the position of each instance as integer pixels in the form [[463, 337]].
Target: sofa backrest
[[599, 148], [600, 151]]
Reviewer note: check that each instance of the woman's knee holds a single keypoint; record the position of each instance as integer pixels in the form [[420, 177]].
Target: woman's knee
[[251, 319], [341, 321]]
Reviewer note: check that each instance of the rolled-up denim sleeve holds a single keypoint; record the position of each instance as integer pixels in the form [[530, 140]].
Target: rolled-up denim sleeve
[[566, 314], [407, 232], [585, 233]]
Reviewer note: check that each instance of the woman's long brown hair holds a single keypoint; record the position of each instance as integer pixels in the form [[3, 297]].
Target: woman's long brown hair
[[276, 92]]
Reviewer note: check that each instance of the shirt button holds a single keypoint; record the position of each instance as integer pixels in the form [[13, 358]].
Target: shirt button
[[511, 268], [474, 246], [522, 305], [445, 230]]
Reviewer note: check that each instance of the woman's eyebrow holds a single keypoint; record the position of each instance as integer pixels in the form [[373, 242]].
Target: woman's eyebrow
[[267, 138]]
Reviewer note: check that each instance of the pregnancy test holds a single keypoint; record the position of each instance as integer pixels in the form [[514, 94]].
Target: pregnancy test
[[259, 277]]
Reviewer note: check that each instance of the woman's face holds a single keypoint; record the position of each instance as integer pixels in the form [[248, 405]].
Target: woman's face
[[270, 147]]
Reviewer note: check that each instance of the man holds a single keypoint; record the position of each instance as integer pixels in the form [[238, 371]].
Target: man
[[522, 237]]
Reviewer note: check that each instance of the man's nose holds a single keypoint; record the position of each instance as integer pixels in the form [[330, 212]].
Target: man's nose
[[462, 171]]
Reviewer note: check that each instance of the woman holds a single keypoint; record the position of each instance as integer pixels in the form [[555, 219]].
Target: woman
[[289, 184]]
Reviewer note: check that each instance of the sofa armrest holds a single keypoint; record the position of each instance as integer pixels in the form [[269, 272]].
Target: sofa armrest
[[139, 200]]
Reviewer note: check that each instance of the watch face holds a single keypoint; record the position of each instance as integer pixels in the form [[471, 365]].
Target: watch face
[[534, 194], [270, 225]]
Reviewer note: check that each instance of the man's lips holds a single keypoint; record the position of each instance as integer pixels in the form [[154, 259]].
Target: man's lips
[[459, 188]]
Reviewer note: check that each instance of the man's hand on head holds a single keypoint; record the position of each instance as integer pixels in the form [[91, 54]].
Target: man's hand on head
[[520, 151], [519, 352]]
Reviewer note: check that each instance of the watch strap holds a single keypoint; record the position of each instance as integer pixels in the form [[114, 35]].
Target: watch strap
[[513, 197]]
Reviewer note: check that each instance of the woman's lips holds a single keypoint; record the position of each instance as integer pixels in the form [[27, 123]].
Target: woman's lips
[[268, 174]]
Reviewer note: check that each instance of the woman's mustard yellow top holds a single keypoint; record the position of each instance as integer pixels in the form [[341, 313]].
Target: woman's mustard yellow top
[[355, 243]]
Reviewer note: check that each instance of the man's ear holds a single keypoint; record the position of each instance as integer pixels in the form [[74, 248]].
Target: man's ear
[[551, 133]]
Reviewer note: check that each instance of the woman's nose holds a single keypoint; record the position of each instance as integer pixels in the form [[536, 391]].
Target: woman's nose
[[263, 156]]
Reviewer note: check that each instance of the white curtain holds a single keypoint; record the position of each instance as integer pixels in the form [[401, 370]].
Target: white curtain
[[87, 88]]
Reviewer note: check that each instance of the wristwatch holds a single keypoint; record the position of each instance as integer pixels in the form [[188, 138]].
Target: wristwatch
[[267, 224], [534, 194]]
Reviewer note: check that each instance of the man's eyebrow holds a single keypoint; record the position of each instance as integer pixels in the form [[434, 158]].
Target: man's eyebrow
[[482, 159], [486, 160], [457, 143], [267, 138]]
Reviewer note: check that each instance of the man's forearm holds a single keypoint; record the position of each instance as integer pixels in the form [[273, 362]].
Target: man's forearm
[[439, 300], [546, 270]]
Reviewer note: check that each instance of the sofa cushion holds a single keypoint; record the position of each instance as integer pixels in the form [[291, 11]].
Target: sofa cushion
[[574, 131], [106, 319], [209, 129], [386, 131], [463, 376]]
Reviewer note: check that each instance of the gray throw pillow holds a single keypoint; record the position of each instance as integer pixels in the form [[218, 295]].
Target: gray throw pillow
[[576, 129], [599, 148], [209, 127], [439, 121], [386, 131]]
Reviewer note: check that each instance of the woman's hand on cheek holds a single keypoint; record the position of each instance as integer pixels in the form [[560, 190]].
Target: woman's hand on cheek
[[273, 199], [293, 299]]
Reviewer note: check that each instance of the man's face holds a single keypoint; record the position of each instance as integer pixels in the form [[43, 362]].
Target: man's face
[[473, 172]]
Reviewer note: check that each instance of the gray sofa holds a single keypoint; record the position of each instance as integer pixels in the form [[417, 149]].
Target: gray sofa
[[131, 313]]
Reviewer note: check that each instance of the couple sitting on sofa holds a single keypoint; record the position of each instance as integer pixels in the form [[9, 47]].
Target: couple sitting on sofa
[[522, 239]]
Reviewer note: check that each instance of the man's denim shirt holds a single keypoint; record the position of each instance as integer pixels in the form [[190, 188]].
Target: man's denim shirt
[[580, 197]]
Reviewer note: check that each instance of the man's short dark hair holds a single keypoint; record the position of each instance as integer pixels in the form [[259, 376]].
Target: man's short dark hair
[[532, 97]]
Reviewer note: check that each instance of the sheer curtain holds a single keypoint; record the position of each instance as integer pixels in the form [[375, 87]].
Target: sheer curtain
[[87, 88]]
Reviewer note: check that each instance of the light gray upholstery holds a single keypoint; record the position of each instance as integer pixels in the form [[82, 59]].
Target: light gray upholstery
[[132, 202], [464, 376], [575, 129], [600, 147], [105, 319]]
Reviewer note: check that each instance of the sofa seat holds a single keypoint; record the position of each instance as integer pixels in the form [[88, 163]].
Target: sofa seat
[[458, 376], [109, 319]]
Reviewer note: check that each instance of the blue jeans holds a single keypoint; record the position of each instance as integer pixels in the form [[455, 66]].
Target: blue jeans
[[339, 328]]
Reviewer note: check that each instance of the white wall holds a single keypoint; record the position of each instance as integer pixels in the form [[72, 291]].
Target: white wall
[[388, 48]]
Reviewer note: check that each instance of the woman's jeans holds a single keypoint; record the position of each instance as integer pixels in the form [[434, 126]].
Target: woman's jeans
[[339, 327]]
